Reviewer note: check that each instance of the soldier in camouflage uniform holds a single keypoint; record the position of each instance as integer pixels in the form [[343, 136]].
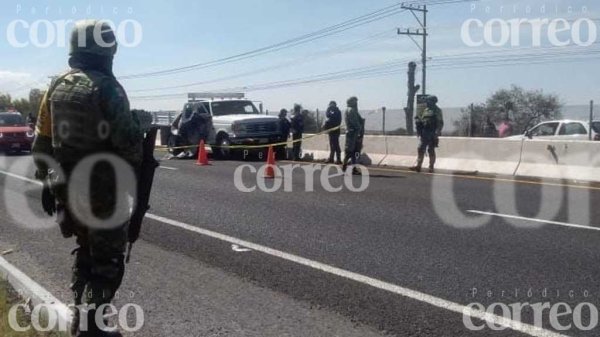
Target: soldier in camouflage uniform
[[354, 133], [430, 123], [86, 112]]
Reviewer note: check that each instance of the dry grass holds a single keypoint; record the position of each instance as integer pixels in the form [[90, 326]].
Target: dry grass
[[8, 298]]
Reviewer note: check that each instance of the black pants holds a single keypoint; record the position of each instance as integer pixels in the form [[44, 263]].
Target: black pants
[[334, 147], [351, 157], [427, 143], [297, 145]]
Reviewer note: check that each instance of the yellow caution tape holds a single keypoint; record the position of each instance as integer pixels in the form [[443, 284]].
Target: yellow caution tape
[[163, 147]]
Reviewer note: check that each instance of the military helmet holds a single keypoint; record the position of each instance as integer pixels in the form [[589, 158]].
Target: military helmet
[[297, 107], [93, 37], [283, 112], [432, 99], [352, 100]]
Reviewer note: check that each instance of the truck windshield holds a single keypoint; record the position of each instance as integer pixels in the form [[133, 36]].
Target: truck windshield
[[233, 108], [11, 120]]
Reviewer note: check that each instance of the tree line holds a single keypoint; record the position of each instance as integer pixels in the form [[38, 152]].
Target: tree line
[[524, 109], [25, 106]]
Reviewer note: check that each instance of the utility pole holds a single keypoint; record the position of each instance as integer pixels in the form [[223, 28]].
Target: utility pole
[[471, 108], [591, 118], [318, 122], [383, 122], [419, 32]]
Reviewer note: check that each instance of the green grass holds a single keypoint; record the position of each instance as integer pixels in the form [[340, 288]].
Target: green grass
[[8, 298]]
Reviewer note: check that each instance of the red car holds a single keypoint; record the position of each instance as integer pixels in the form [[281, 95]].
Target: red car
[[15, 134]]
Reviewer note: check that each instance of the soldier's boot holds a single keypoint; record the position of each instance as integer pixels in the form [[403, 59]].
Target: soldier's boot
[[75, 322], [90, 328], [431, 161], [83, 324], [80, 277], [345, 163], [339, 158], [356, 171], [417, 167]]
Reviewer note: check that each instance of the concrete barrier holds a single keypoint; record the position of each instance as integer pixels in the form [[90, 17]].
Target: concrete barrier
[[572, 160], [486, 155]]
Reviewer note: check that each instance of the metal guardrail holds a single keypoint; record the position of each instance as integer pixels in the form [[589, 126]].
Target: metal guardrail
[[164, 118]]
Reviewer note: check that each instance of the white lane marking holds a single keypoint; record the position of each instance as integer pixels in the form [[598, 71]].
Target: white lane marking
[[238, 249], [168, 168], [375, 283], [16, 176], [26, 287], [412, 294], [557, 223]]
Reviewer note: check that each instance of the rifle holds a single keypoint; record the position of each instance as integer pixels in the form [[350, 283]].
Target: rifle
[[145, 177]]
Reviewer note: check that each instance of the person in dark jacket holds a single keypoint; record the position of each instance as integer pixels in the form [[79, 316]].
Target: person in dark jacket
[[297, 128], [284, 127], [333, 121]]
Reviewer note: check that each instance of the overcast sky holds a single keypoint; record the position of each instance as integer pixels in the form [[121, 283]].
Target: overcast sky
[[179, 33]]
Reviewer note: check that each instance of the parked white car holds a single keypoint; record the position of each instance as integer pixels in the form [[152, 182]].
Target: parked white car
[[562, 130]]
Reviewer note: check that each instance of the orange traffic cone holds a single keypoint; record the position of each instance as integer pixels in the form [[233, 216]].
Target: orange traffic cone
[[202, 155], [269, 169]]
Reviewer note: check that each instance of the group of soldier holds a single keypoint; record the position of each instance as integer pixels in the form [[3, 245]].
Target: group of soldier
[[88, 99], [355, 126], [429, 123], [295, 126]]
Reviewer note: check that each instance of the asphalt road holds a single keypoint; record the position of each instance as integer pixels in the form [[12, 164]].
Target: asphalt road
[[406, 230]]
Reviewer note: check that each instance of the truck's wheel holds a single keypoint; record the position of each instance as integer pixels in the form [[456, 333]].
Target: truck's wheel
[[222, 150]]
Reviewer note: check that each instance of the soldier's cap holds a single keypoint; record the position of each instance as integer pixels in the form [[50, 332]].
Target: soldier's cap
[[297, 107], [95, 37], [283, 112], [332, 103], [352, 99]]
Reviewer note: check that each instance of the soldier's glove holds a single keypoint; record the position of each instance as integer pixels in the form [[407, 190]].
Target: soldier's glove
[[48, 200]]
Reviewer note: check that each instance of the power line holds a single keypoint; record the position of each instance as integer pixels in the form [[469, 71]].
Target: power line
[[307, 58], [307, 79], [388, 69], [352, 23], [328, 31]]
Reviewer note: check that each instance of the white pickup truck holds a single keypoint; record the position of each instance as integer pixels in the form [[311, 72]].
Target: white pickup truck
[[231, 120]]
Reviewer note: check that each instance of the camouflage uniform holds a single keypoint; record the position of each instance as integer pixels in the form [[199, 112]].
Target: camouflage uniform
[[81, 100], [430, 123], [354, 133]]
